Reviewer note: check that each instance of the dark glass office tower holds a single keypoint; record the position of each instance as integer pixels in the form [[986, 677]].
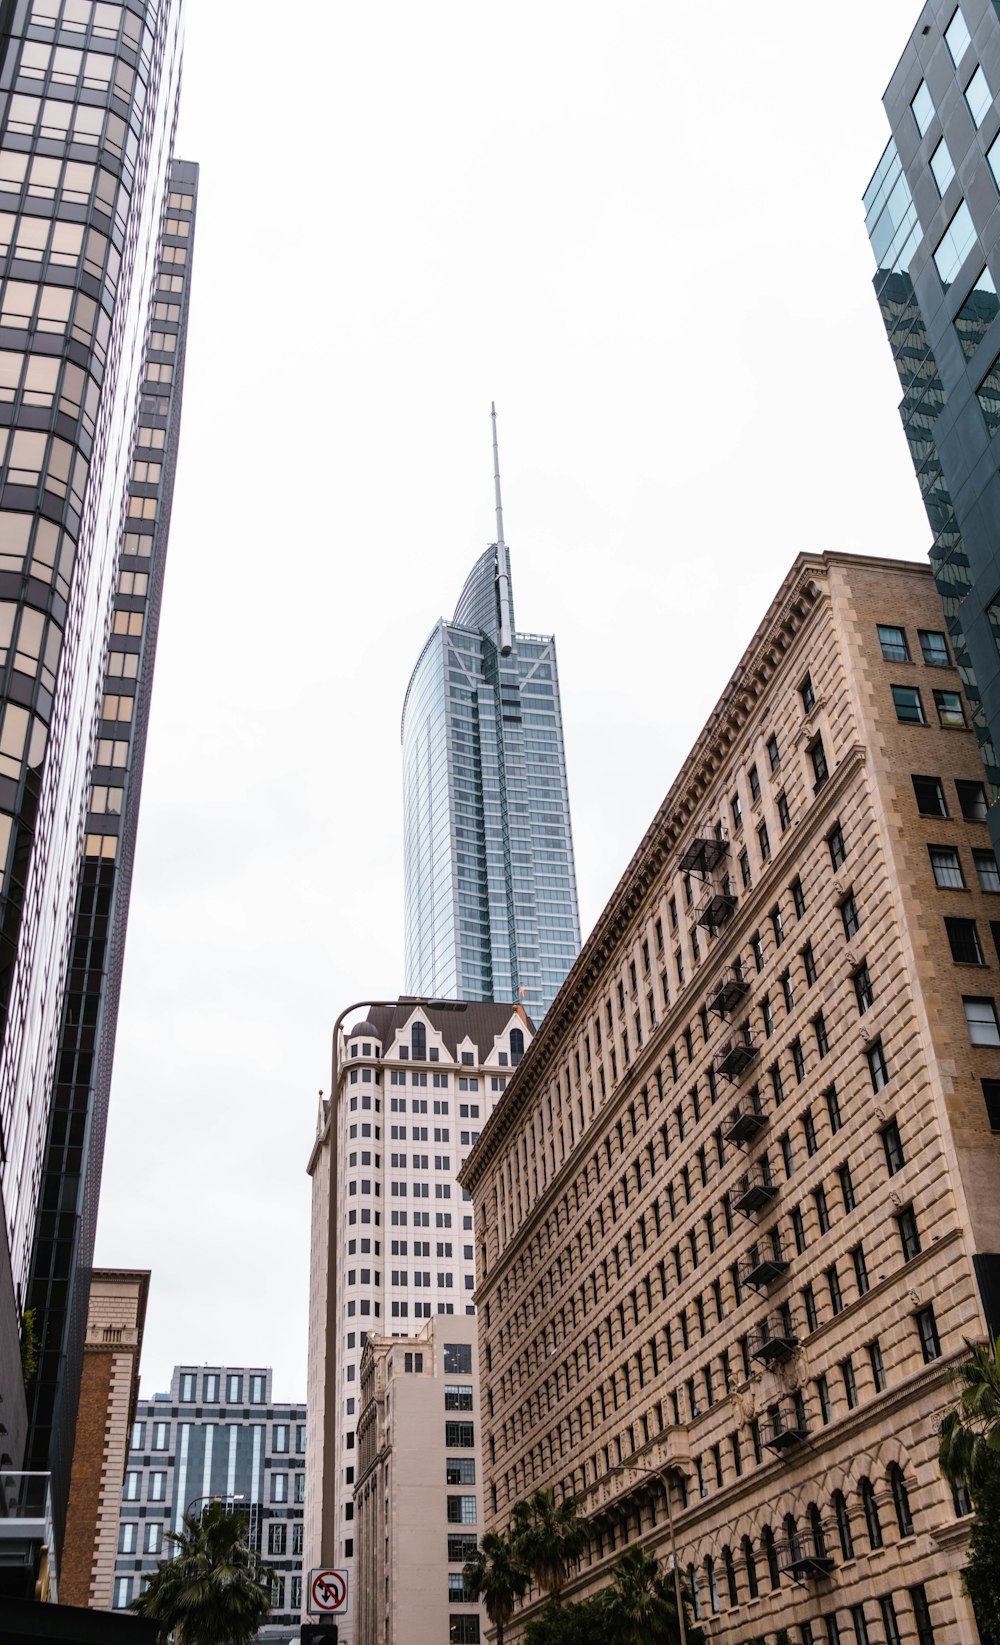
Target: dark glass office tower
[[934, 224], [490, 885], [94, 244]]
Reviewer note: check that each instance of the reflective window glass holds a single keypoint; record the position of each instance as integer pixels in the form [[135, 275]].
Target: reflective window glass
[[988, 395], [958, 37], [922, 107], [977, 97], [942, 166], [934, 647], [955, 244]]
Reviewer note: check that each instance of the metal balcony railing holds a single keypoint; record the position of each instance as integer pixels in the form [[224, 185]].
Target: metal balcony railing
[[736, 1057], [774, 1339], [731, 987], [746, 1120], [705, 853], [783, 1430], [763, 1265], [754, 1191], [715, 908], [805, 1556]]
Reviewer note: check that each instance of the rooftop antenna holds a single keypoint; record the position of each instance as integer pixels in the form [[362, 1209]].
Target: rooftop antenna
[[503, 567]]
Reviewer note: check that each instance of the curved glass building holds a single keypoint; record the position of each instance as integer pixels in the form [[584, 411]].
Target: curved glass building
[[491, 906]]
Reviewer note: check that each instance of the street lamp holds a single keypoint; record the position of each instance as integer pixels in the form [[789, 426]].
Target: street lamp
[[665, 1474], [230, 1496]]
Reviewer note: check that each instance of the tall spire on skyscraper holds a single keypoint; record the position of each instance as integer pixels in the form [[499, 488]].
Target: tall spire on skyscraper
[[503, 568]]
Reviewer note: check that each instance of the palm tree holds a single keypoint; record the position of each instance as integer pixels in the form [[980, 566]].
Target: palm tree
[[969, 1436], [213, 1590], [549, 1537], [495, 1575], [641, 1605]]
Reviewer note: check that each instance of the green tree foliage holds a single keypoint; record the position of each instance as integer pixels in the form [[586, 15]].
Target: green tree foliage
[[549, 1536], [214, 1590], [496, 1575], [969, 1436], [583, 1624], [641, 1605], [969, 1454]]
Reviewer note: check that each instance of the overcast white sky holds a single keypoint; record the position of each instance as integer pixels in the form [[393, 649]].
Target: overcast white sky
[[635, 225]]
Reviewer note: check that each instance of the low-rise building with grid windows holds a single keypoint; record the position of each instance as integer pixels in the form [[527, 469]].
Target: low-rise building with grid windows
[[219, 1434], [737, 1214], [418, 1497]]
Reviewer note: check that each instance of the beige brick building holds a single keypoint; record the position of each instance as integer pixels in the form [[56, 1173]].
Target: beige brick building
[[739, 1208], [108, 1392], [418, 1499]]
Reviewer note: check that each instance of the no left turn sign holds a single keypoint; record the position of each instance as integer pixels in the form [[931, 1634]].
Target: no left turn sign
[[327, 1592]]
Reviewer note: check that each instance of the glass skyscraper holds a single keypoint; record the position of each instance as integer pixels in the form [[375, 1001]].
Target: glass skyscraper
[[96, 224], [934, 225], [490, 886]]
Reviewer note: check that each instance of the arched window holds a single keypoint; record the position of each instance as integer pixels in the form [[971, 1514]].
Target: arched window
[[771, 1555], [751, 1565], [418, 1041], [843, 1524], [792, 1536], [816, 1530], [900, 1500], [728, 1562], [516, 1046], [695, 1594], [710, 1584], [872, 1524]]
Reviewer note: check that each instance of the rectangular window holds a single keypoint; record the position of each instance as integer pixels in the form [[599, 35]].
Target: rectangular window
[[161, 1436], [123, 1592], [863, 989], [972, 800], [763, 841], [157, 1487], [927, 1331], [808, 695], [987, 871], [823, 1395], [955, 245], [846, 1187], [187, 1386], [963, 939], [463, 1629], [257, 1387], [279, 1487], [784, 812], [131, 1488], [909, 708], [833, 1285], [154, 1538], [892, 1144], [922, 107], [981, 1016], [459, 1434], [461, 1510], [978, 98], [950, 711], [457, 1396], [234, 1390], [929, 796], [849, 916], [878, 1366], [818, 760], [934, 648], [822, 1038], [837, 848], [947, 867], [754, 781], [922, 1615], [893, 643], [860, 1269], [850, 1383], [942, 167], [809, 964], [878, 1068], [909, 1237], [833, 1109], [458, 1359], [774, 757], [977, 313], [991, 1097], [957, 36]]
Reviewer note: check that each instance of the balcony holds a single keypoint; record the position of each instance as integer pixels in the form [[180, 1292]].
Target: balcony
[[736, 1057], [27, 1539], [805, 1557], [754, 1190], [715, 908], [731, 987], [704, 854], [783, 1430], [774, 1340], [746, 1120], [764, 1265]]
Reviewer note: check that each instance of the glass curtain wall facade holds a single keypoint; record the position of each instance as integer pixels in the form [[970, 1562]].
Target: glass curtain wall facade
[[74, 1149], [490, 886], [932, 218], [88, 104]]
